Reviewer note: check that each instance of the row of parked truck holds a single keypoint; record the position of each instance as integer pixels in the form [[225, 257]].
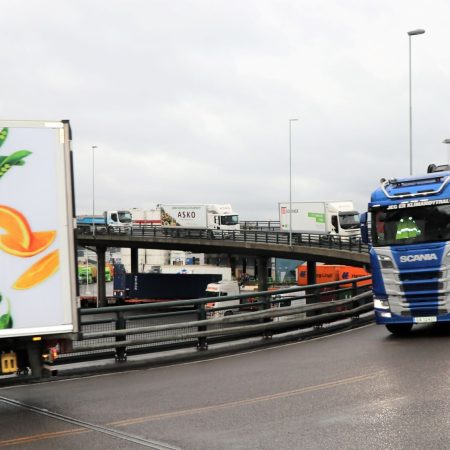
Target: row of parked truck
[[327, 217]]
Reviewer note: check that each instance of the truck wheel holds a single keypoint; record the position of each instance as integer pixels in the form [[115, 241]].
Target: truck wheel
[[110, 230], [228, 313], [399, 329]]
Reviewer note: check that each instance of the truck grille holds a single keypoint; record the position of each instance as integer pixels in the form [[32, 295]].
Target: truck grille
[[423, 312], [426, 287], [423, 275]]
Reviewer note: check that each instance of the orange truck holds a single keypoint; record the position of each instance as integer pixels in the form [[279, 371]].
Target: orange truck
[[327, 273]]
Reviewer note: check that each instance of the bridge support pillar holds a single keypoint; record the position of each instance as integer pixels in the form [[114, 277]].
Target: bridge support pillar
[[311, 278], [101, 287], [134, 261], [261, 264], [262, 273], [311, 272]]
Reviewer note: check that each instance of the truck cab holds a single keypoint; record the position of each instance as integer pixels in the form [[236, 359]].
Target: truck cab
[[118, 221], [221, 289], [409, 231], [343, 219], [222, 217]]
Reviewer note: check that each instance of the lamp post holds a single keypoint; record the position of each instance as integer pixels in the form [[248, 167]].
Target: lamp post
[[93, 190], [290, 180], [411, 33], [86, 273], [447, 141]]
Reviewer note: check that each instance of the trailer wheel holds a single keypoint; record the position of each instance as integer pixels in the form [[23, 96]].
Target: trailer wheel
[[399, 329]]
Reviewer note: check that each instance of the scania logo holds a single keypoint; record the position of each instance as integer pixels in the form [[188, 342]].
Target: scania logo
[[414, 258]]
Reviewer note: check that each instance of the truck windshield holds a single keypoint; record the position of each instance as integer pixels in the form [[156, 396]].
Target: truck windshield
[[412, 223], [211, 294], [124, 217], [349, 220], [229, 220]]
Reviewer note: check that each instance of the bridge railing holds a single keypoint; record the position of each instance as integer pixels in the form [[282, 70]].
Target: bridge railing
[[258, 235], [265, 225], [118, 331]]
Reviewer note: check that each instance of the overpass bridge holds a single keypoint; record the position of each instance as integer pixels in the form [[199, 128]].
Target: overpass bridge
[[257, 242]]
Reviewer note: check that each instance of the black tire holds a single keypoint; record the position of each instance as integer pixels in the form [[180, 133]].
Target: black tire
[[110, 230], [228, 313], [399, 329]]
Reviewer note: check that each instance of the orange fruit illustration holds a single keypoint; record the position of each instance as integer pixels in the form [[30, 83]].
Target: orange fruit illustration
[[40, 240], [15, 225], [39, 271]]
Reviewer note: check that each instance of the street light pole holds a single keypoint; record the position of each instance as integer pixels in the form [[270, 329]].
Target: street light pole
[[290, 180], [411, 33], [93, 190], [447, 141]]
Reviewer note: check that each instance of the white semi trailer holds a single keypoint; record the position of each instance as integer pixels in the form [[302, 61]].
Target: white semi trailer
[[207, 216], [329, 217], [38, 294]]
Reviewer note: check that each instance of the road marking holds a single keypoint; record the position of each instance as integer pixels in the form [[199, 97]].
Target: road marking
[[83, 424], [41, 437], [245, 402], [89, 427]]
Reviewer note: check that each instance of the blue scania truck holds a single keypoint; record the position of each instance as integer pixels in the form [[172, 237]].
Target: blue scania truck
[[407, 228]]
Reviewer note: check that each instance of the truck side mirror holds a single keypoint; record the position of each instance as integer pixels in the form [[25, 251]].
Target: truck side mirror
[[364, 229]]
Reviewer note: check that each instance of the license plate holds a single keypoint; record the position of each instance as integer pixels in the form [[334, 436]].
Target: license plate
[[425, 319]]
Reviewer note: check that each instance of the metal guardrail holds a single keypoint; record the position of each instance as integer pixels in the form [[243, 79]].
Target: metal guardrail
[[267, 225], [115, 332], [244, 235]]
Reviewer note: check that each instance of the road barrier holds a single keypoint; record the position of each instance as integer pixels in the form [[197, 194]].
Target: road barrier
[[119, 331], [251, 233]]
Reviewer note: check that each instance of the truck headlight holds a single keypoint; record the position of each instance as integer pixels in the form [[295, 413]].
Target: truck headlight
[[386, 262]]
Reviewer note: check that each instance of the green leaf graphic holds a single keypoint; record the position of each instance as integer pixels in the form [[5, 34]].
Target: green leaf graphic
[[5, 321], [15, 157], [3, 135]]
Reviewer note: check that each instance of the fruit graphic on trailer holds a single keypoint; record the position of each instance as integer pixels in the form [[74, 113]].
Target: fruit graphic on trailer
[[39, 271], [19, 239]]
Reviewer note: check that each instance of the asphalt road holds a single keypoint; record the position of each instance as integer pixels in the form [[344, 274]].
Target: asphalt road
[[361, 389]]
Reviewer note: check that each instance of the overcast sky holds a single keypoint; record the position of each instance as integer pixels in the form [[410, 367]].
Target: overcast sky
[[190, 101]]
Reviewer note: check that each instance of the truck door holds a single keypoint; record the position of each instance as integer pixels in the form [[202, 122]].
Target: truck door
[[334, 224]]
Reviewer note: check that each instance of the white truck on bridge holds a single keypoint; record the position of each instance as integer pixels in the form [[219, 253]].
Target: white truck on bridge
[[206, 216], [329, 217], [118, 222], [38, 297]]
